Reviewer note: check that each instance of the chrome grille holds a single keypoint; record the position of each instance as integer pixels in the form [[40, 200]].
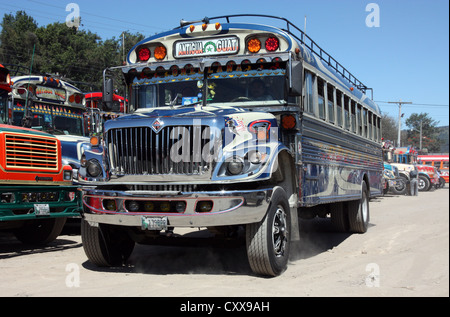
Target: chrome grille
[[36, 153], [142, 151]]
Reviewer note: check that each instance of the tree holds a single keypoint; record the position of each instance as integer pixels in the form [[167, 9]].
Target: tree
[[389, 128], [17, 39], [428, 126]]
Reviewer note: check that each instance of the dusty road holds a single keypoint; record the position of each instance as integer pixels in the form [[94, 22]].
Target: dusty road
[[405, 253]]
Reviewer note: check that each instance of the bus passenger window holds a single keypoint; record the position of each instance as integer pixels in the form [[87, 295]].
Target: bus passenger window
[[359, 119], [330, 97], [353, 109], [378, 129], [365, 128], [339, 108], [321, 98], [309, 92], [346, 112]]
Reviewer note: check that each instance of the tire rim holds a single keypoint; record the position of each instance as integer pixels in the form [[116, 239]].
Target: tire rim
[[279, 232], [421, 183]]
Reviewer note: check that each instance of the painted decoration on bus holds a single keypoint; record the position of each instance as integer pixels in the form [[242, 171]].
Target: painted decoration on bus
[[50, 93], [203, 47]]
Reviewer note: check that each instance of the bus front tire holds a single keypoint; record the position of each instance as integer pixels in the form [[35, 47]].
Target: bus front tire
[[106, 245], [41, 231], [268, 242]]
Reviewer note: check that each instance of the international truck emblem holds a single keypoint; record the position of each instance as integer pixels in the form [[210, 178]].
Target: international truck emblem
[[157, 125]]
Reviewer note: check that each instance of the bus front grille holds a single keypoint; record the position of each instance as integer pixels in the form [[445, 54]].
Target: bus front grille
[[172, 150], [29, 152]]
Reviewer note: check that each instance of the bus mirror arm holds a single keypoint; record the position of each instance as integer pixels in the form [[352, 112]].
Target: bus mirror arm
[[28, 117], [295, 78]]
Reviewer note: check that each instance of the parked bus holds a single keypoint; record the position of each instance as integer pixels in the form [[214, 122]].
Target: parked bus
[[36, 191], [394, 183], [233, 126], [406, 159], [98, 115], [440, 161], [94, 100], [55, 106]]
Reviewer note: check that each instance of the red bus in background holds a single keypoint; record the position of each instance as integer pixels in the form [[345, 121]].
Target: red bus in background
[[94, 99], [440, 161]]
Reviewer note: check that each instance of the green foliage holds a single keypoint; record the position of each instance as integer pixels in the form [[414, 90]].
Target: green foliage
[[422, 122], [389, 129], [76, 55]]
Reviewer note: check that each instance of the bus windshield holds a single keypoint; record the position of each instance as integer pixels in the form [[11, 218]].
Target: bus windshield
[[3, 108], [53, 119], [253, 86]]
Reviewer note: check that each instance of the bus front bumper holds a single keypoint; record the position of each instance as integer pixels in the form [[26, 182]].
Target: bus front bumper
[[226, 208]]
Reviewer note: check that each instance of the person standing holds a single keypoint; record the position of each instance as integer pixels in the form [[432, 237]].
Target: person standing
[[414, 182]]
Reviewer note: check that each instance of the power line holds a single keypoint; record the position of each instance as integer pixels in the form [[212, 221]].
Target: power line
[[416, 104]]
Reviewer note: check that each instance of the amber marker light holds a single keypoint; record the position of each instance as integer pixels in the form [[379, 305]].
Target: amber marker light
[[254, 45], [204, 26], [192, 28], [160, 52], [217, 25], [94, 140], [288, 122]]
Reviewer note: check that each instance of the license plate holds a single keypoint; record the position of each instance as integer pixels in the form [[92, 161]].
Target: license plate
[[41, 209], [154, 223]]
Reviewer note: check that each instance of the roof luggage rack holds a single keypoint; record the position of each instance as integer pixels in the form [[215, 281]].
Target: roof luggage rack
[[303, 39]]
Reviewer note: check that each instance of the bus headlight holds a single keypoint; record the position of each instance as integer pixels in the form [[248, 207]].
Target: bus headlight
[[235, 165], [93, 168]]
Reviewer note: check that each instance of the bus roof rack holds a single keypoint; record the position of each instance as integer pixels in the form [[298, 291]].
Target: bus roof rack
[[302, 38]]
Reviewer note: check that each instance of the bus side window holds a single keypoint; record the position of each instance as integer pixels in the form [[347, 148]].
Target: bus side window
[[330, 97], [365, 129], [378, 129], [339, 111], [369, 125], [353, 113], [309, 92], [321, 97], [339, 100], [359, 119]]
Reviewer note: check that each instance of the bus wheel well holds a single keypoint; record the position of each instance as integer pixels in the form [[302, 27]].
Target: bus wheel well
[[283, 173], [366, 180]]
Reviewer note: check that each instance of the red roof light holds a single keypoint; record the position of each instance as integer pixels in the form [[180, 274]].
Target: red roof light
[[272, 44], [144, 54]]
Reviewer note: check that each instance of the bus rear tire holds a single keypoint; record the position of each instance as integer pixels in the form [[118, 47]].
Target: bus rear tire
[[339, 217], [268, 242], [41, 231], [106, 245], [358, 212]]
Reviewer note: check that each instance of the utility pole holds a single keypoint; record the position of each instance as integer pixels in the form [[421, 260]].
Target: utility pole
[[400, 103]]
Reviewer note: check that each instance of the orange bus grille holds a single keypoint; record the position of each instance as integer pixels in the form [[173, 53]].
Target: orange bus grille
[[31, 152]]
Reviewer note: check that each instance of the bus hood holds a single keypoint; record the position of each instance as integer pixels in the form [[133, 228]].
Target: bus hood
[[237, 119]]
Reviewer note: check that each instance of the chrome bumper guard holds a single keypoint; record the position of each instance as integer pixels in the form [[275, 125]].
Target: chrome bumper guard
[[229, 207]]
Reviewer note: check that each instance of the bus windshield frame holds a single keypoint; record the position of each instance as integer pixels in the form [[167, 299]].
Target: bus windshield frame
[[249, 85], [54, 119]]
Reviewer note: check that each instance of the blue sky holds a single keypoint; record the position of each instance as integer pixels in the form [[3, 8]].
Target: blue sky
[[405, 58]]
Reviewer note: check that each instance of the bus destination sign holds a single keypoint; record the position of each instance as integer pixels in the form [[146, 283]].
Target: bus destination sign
[[206, 47]]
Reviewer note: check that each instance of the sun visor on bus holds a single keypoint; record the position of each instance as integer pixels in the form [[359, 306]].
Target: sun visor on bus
[[205, 62]]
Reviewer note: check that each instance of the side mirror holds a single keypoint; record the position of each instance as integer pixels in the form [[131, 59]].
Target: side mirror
[[295, 78], [107, 96]]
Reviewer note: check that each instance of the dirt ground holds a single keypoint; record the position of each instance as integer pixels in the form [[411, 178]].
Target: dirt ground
[[405, 253]]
